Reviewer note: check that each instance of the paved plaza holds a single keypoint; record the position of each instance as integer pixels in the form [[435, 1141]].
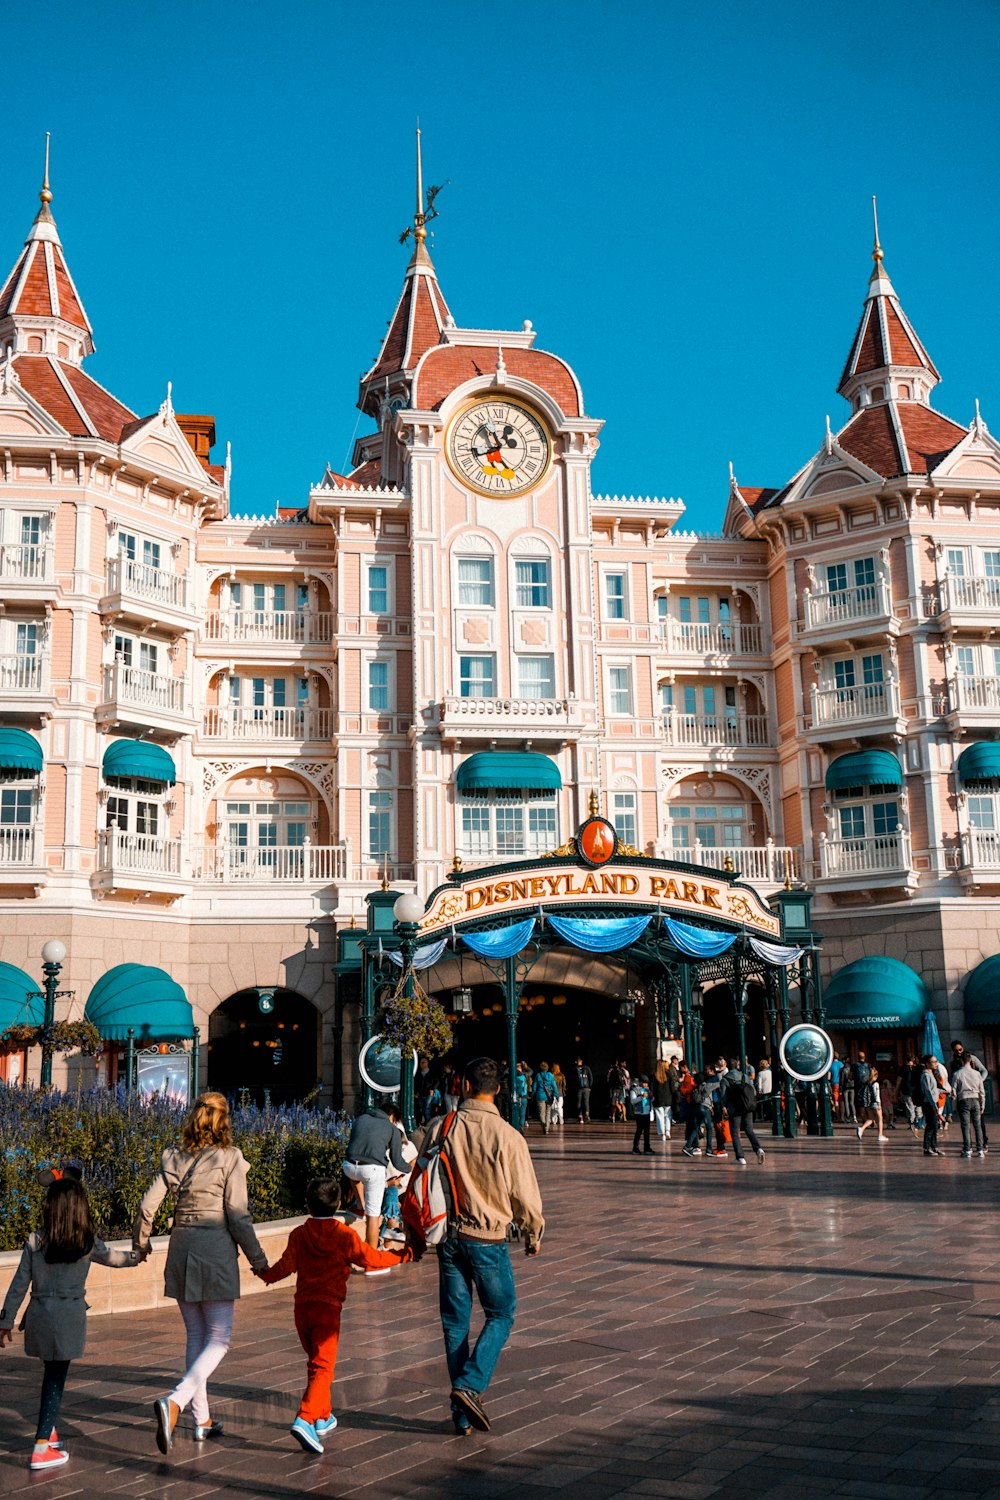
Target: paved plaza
[[823, 1325]]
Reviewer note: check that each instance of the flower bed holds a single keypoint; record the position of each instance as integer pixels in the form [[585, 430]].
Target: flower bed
[[118, 1139]]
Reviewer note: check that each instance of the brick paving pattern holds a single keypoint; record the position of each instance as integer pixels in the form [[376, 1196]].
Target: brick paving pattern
[[823, 1325]]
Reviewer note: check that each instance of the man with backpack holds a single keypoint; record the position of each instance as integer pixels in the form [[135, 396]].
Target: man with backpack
[[740, 1099], [494, 1186]]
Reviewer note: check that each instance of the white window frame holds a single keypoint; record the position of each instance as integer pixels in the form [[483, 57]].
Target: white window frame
[[376, 807], [527, 559], [611, 710], [534, 656], [478, 656], [480, 558], [389, 662], [624, 815], [389, 564], [608, 572]]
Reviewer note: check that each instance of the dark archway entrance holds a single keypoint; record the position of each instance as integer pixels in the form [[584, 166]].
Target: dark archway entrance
[[261, 1056], [720, 1028]]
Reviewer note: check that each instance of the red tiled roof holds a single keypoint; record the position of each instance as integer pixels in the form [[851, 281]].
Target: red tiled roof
[[875, 347], [368, 474], [451, 365], [108, 415], [870, 437], [756, 499], [416, 326], [35, 297], [38, 376], [10, 284], [69, 303], [929, 436]]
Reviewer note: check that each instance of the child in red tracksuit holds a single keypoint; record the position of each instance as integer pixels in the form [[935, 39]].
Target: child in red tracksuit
[[321, 1252]]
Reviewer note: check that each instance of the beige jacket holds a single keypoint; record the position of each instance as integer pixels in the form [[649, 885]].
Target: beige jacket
[[495, 1178], [211, 1217]]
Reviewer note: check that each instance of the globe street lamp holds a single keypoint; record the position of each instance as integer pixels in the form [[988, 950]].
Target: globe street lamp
[[53, 955], [408, 912]]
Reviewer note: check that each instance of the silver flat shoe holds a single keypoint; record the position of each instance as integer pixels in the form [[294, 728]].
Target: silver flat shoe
[[203, 1432]]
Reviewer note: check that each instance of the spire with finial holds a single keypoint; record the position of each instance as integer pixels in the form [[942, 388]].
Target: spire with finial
[[40, 290], [877, 255]]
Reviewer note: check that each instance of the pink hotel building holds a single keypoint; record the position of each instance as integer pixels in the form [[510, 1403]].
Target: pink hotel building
[[219, 731]]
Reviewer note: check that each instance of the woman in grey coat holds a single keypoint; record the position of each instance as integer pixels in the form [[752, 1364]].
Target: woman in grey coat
[[207, 1178]]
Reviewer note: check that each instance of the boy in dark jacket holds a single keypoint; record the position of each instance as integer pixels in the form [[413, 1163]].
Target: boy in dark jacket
[[321, 1252]]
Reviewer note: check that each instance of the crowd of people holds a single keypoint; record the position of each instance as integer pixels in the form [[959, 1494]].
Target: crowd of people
[[928, 1092]]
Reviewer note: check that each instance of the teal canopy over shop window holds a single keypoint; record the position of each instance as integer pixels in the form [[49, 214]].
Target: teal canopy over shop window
[[979, 763], [876, 994], [20, 751], [15, 1006], [508, 770], [864, 768], [982, 993], [138, 758], [143, 998]]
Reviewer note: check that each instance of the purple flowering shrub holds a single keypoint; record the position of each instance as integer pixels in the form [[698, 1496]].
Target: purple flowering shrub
[[118, 1139]]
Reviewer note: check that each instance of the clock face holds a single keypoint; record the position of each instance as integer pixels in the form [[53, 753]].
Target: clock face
[[499, 447]]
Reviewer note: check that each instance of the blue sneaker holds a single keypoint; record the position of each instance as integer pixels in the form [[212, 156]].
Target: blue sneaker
[[306, 1436], [325, 1425]]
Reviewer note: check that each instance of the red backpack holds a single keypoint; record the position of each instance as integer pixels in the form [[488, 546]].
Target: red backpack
[[430, 1201]]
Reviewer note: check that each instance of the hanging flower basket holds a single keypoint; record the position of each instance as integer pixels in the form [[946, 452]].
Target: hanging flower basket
[[415, 1022], [61, 1036]]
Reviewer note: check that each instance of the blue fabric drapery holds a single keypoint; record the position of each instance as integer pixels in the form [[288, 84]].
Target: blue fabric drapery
[[503, 943], [423, 958], [778, 954], [599, 934], [696, 942], [932, 1037]]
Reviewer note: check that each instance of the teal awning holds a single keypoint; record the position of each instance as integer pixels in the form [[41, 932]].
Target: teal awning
[[875, 994], [15, 1007], [982, 993], [143, 998], [979, 763], [510, 770], [864, 768], [20, 751], [139, 758]]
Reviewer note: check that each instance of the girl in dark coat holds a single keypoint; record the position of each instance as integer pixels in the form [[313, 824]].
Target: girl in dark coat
[[54, 1265]]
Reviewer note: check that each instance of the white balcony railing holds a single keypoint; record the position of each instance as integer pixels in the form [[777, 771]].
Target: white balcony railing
[[25, 562], [855, 705], [510, 713], [711, 730], [22, 674], [122, 853], [282, 626], [134, 688], [17, 847], [139, 581], [829, 608], [487, 849], [974, 595], [879, 854], [229, 723], [305, 864], [761, 864], [981, 849], [974, 694], [689, 638]]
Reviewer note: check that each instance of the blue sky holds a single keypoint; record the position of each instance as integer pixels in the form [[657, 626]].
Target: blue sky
[[677, 195]]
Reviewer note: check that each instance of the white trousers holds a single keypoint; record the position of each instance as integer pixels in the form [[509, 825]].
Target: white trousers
[[209, 1329], [663, 1121]]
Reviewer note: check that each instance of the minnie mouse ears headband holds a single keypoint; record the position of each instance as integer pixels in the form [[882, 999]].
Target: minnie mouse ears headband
[[47, 1175]]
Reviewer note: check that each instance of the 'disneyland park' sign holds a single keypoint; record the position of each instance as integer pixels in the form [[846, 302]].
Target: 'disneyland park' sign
[[521, 891]]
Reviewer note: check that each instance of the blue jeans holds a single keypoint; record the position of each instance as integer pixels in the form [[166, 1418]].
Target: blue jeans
[[519, 1112], [390, 1202], [463, 1265]]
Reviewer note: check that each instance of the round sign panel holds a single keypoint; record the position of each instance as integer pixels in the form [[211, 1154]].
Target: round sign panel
[[382, 1066], [806, 1052]]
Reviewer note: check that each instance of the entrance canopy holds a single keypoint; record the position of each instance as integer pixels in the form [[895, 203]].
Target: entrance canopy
[[876, 994], [143, 999], [508, 771], [982, 993]]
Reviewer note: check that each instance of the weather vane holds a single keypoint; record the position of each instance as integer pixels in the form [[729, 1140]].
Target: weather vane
[[424, 212]]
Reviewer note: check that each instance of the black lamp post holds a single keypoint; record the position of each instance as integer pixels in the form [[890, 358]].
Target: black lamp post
[[408, 912], [795, 906], [53, 955]]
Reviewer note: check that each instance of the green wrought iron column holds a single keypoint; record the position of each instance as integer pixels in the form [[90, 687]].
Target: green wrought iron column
[[687, 1015], [511, 1005], [784, 1081], [196, 1064], [367, 1011], [53, 954], [812, 987], [408, 911], [771, 1003], [739, 999], [130, 1060]]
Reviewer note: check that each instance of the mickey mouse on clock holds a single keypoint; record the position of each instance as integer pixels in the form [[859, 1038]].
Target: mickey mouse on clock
[[499, 447]]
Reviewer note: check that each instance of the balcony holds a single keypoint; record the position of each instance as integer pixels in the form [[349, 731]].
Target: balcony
[[147, 699], [300, 865], [980, 857], [24, 684], [21, 857], [767, 865], [139, 861], [137, 591], [715, 731], [849, 711], [285, 627], [851, 861], [837, 615], [684, 638], [972, 602], [973, 700], [492, 851], [255, 725], [27, 568], [508, 718]]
